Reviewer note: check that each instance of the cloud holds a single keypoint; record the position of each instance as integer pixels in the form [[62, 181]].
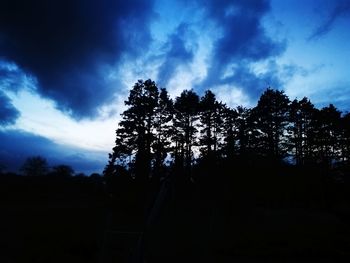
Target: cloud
[[70, 46], [243, 41], [232, 97], [176, 53], [341, 9], [8, 113], [17, 145], [255, 82], [334, 92], [13, 79], [251, 80]]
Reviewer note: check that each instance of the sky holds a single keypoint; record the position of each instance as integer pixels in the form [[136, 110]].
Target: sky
[[66, 66]]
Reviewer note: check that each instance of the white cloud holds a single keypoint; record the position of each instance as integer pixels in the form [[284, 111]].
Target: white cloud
[[232, 96], [39, 116]]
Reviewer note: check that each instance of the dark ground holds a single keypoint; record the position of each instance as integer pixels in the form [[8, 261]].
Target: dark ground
[[74, 220]]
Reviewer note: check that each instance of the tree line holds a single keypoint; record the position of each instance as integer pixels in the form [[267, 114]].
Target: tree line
[[157, 133], [38, 166]]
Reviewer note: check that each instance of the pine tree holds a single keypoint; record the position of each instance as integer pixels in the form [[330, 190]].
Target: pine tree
[[271, 116], [135, 133], [161, 145], [186, 109], [301, 116], [327, 135], [210, 124], [230, 131], [345, 138]]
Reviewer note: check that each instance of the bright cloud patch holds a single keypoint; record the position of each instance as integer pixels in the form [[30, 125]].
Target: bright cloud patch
[[232, 96], [39, 116]]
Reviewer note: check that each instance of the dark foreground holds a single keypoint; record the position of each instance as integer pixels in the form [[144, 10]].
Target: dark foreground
[[76, 220]]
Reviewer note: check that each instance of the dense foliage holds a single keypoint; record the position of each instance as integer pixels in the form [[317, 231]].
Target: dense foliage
[[157, 133]]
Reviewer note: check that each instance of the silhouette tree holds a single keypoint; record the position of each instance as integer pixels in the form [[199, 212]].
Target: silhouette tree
[[163, 117], [63, 170], [210, 124], [135, 133], [327, 135], [121, 152], [154, 129], [247, 132], [35, 166], [302, 114], [229, 131], [345, 138], [271, 117], [186, 109]]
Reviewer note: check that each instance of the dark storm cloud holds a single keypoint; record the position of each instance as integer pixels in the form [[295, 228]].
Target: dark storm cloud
[[252, 82], [176, 53], [243, 41], [68, 45], [8, 113], [341, 9], [16, 146]]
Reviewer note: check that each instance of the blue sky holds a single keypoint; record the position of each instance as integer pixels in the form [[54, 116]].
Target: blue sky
[[66, 66]]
